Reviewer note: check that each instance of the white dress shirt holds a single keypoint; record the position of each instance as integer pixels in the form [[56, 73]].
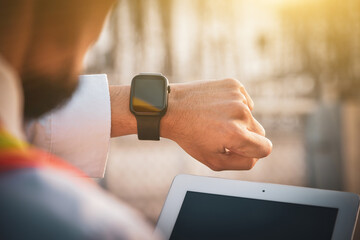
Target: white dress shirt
[[79, 132]]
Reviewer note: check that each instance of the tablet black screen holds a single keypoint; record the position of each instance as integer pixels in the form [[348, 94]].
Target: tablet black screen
[[210, 216]]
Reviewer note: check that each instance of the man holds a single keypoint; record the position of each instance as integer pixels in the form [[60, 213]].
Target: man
[[42, 45]]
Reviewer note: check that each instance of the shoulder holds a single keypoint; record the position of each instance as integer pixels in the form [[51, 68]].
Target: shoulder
[[48, 204]]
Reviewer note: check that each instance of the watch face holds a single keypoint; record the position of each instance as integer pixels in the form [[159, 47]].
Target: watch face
[[148, 93]]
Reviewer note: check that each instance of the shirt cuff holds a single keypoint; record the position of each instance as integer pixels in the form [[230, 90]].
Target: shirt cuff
[[79, 132]]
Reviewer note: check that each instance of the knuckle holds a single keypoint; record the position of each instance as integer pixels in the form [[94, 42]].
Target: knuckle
[[241, 87], [236, 94], [267, 149], [237, 106], [244, 111], [260, 131], [240, 106], [232, 82]]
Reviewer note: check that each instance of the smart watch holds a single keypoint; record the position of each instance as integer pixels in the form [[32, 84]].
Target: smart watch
[[148, 102]]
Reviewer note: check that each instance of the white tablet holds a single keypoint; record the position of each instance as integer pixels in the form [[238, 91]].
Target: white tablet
[[213, 208]]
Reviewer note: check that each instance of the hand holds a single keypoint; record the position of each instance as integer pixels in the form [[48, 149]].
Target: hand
[[212, 121]]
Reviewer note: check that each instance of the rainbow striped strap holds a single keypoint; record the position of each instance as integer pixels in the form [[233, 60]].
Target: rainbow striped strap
[[17, 154]]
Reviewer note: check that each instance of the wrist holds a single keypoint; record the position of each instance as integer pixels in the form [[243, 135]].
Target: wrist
[[168, 121], [123, 122]]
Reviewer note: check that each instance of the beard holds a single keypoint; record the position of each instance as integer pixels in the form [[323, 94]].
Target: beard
[[44, 93]]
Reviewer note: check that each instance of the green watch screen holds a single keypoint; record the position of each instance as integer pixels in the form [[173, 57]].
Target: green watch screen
[[148, 95]]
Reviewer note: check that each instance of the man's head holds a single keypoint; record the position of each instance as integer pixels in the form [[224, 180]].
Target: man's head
[[46, 41]]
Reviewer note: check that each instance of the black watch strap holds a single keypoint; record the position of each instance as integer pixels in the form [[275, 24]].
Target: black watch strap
[[148, 127]]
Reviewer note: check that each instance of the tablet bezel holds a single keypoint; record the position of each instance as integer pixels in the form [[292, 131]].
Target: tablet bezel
[[347, 203]]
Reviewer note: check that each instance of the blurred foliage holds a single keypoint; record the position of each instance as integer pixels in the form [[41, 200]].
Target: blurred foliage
[[208, 14], [313, 39], [138, 12], [326, 36]]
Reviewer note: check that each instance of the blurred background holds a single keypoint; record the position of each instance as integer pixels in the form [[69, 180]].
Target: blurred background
[[299, 60]]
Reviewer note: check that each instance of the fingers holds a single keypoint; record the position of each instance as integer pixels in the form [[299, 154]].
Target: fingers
[[244, 117], [233, 83], [251, 145], [256, 127], [243, 158], [251, 141], [250, 102]]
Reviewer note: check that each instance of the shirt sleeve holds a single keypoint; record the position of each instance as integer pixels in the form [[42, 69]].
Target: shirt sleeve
[[79, 132]]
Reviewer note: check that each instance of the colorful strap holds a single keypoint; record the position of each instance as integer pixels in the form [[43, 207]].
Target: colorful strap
[[17, 154]]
